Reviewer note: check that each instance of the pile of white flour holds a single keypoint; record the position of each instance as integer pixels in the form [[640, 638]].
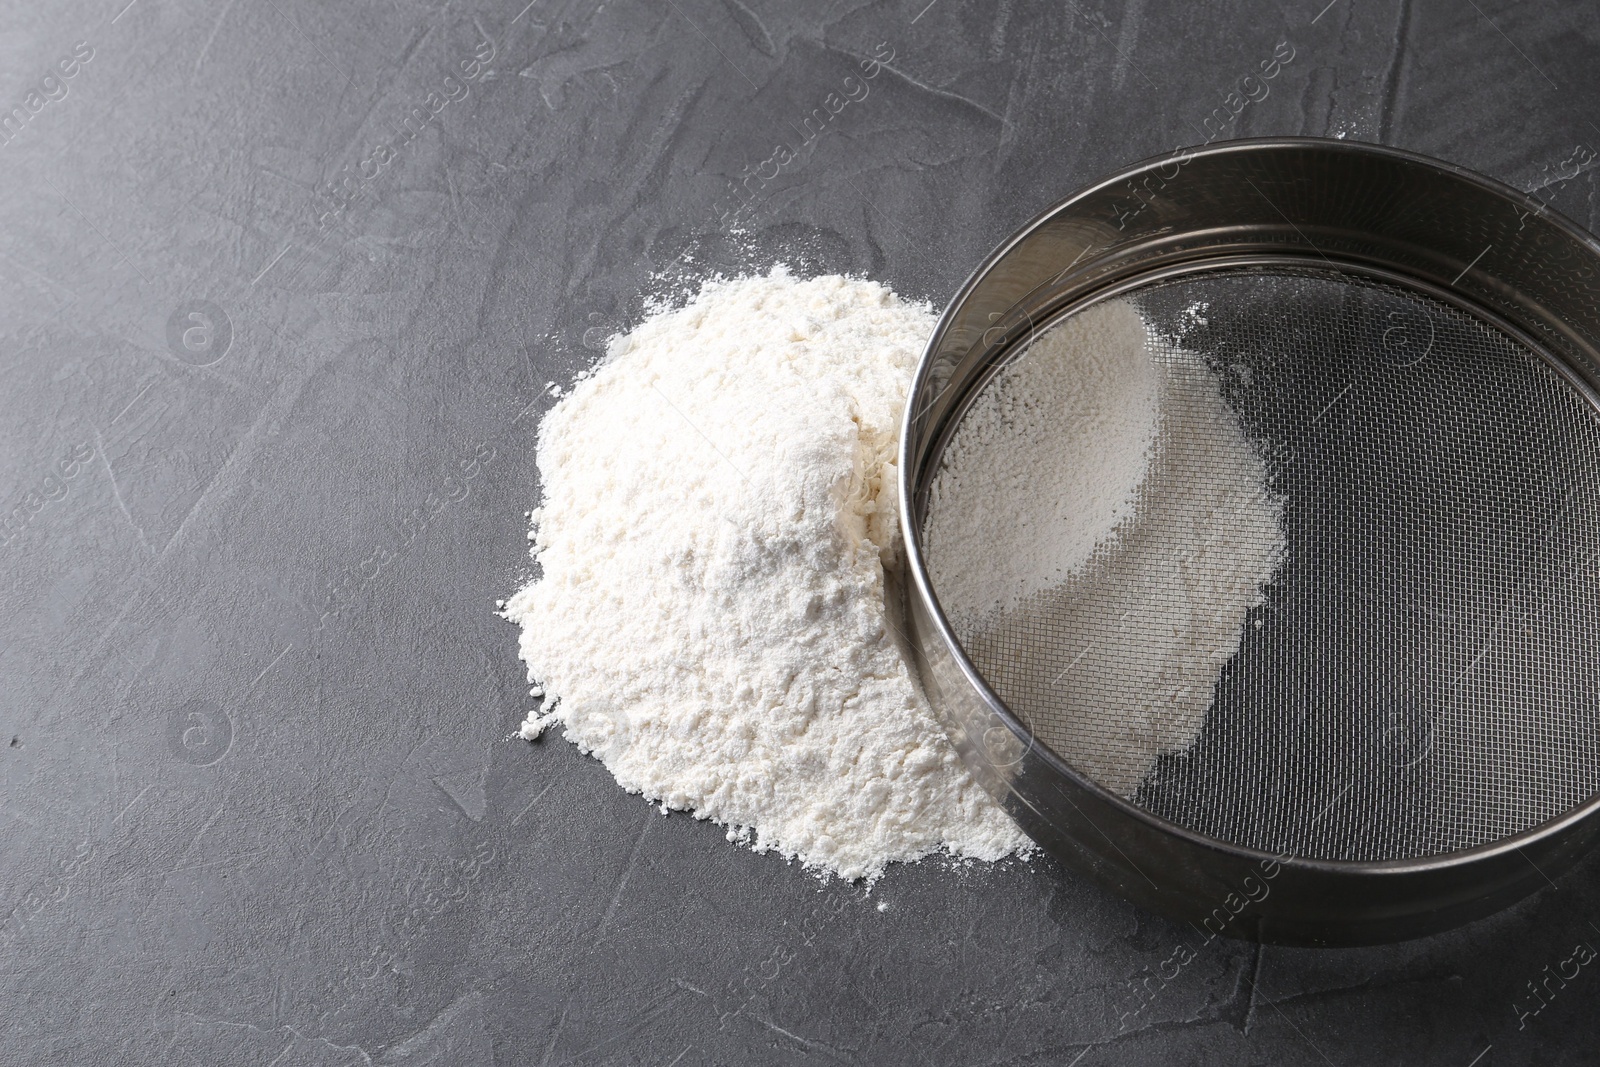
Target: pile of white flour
[[1098, 534], [719, 506]]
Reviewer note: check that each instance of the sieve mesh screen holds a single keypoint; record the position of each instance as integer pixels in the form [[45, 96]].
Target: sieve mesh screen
[[1422, 672]]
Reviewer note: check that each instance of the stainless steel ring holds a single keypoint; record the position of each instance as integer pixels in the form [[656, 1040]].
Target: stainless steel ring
[[1500, 254]]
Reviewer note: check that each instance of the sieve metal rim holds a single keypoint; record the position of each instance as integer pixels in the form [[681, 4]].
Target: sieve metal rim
[[1087, 279]]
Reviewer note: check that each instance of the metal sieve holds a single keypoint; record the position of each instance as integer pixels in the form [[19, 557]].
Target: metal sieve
[[1406, 734]]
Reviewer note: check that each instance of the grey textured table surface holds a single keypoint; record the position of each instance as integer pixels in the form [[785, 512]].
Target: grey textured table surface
[[270, 373]]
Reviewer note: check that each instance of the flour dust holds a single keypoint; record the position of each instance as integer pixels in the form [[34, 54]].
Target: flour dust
[[718, 511]]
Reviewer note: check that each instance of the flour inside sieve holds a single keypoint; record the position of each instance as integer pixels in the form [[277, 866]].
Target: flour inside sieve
[[1098, 532]]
